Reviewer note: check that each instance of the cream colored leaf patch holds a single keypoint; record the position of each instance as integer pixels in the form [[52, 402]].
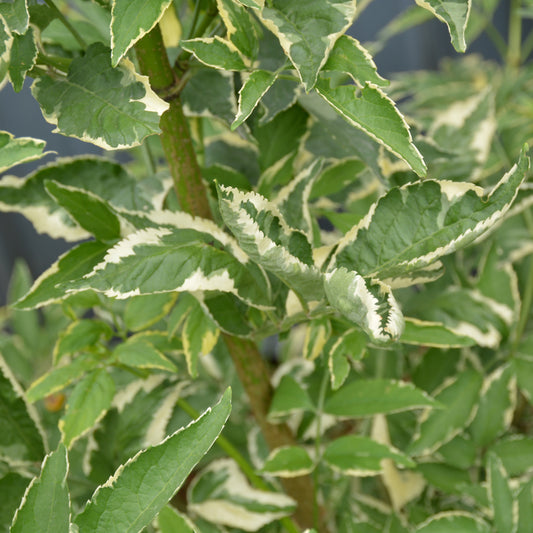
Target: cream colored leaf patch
[[110, 107]]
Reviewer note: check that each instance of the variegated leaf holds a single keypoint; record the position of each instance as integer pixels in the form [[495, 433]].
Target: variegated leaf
[[413, 226], [349, 56], [373, 112], [240, 27], [295, 22], [6, 41], [130, 20], [14, 151], [110, 107], [15, 13], [216, 52], [288, 461], [45, 506], [460, 396], [454, 13], [156, 260], [251, 92], [453, 521], [138, 352], [435, 334], [503, 502], [368, 303], [350, 345], [264, 235], [23, 57], [221, 494]]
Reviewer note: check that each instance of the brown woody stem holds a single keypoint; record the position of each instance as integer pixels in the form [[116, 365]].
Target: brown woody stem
[[179, 151]]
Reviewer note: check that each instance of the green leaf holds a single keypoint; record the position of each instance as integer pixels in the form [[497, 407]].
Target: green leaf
[[140, 353], [525, 507], [49, 287], [89, 211], [14, 151], [251, 92], [307, 30], [110, 107], [58, 378], [411, 227], [425, 333], [460, 396], [148, 480], [16, 15], [373, 112], [221, 486], [170, 520], [503, 503], [199, 336], [12, 488], [454, 13], [516, 453], [317, 333], [453, 521], [215, 52], [23, 56], [289, 397], [131, 20], [350, 57], [143, 311], [240, 27], [288, 461], [496, 406], [81, 335], [162, 259], [45, 506], [350, 345], [372, 396], [368, 303], [88, 403], [355, 455], [21, 437], [264, 235]]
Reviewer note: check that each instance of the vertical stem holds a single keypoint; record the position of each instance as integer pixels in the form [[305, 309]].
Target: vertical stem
[[514, 50], [183, 164], [66, 23]]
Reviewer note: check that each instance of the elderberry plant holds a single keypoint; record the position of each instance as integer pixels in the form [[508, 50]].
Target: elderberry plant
[[274, 194]]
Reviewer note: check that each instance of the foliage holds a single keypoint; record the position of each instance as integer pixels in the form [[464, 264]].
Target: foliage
[[385, 253]]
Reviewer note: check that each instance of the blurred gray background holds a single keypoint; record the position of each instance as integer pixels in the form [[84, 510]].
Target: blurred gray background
[[421, 47]]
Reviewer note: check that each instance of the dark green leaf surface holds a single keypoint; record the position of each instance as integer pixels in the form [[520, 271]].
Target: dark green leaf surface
[[110, 107], [23, 56], [46, 505], [139, 489], [369, 397]]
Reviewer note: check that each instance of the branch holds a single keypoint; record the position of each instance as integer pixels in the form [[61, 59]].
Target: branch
[[249, 364]]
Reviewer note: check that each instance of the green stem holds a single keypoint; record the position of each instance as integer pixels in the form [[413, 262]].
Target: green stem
[[148, 158], [59, 63], [244, 465], [527, 46], [66, 23], [514, 50]]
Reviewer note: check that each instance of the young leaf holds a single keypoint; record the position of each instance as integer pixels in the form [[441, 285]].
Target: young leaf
[[295, 22], [264, 235], [289, 461], [453, 521], [21, 437], [289, 397], [221, 494], [140, 353], [425, 333], [132, 498], [45, 506], [496, 406], [386, 126], [143, 311], [350, 57], [355, 455], [390, 242], [110, 107], [88, 403], [252, 90], [58, 378], [130, 20], [350, 345], [372, 396], [503, 503], [23, 55], [240, 27], [460, 396], [368, 303], [14, 151], [454, 14], [215, 52]]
